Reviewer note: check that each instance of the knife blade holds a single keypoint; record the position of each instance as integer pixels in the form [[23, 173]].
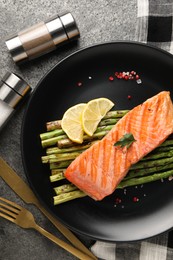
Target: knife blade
[[23, 190]]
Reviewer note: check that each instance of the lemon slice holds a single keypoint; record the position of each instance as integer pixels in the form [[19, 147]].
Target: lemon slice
[[71, 123], [93, 112]]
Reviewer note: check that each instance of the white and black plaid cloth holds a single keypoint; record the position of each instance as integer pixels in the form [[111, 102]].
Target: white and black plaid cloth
[[156, 248], [155, 23], [154, 27]]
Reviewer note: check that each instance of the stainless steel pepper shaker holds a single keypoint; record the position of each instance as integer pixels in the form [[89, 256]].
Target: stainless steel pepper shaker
[[42, 38], [12, 90]]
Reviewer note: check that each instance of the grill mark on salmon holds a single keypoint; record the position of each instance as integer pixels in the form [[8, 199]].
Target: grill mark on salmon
[[99, 169]]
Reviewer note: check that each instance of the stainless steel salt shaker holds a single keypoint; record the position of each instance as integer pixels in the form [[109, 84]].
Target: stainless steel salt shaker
[[42, 38], [12, 90]]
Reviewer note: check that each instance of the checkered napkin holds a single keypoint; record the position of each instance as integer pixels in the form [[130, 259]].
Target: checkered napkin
[[155, 23], [154, 27], [156, 248]]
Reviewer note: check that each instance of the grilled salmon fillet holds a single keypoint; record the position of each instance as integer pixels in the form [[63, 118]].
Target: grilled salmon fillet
[[99, 169]]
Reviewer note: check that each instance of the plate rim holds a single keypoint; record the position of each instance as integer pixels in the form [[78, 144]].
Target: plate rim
[[37, 88]]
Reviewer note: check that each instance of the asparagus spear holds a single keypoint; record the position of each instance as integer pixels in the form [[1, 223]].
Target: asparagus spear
[[146, 171], [96, 136], [163, 149], [72, 155], [57, 177], [54, 128], [58, 199], [51, 134], [52, 125], [55, 171], [116, 114], [100, 132], [64, 197], [152, 163], [145, 179], [52, 141], [140, 165], [159, 155], [79, 147], [65, 188], [166, 146], [57, 150], [131, 174], [108, 121], [56, 124], [60, 157], [66, 142], [59, 165]]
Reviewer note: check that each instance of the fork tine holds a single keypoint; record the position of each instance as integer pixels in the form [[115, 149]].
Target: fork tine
[[7, 211], [15, 207], [6, 216], [10, 211]]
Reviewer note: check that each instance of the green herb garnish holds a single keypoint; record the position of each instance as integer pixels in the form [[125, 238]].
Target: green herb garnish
[[126, 140]]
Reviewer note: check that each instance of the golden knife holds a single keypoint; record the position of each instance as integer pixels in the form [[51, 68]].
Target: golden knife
[[27, 195]]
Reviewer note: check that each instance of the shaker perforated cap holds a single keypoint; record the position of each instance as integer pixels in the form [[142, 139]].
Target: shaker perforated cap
[[43, 37], [13, 88]]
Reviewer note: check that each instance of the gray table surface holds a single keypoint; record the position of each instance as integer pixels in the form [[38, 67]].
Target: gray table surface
[[98, 21]]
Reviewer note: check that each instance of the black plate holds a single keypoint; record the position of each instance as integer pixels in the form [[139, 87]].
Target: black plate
[[56, 92]]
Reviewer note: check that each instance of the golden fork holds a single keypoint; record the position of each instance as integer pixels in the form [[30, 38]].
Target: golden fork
[[22, 189], [24, 218]]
